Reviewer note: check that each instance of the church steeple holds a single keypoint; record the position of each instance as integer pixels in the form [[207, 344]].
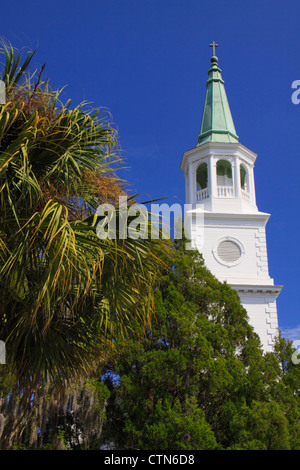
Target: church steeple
[[224, 222], [217, 123]]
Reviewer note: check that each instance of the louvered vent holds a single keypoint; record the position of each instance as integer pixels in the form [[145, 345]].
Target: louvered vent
[[228, 251]]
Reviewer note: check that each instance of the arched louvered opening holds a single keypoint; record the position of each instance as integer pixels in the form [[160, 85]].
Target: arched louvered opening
[[202, 182], [244, 178], [202, 176], [224, 179], [245, 184]]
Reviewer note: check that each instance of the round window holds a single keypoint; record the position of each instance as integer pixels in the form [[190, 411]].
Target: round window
[[228, 252]]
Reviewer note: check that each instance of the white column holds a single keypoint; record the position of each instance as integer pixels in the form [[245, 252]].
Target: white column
[[212, 178], [194, 185], [192, 195], [237, 177], [186, 179], [252, 186]]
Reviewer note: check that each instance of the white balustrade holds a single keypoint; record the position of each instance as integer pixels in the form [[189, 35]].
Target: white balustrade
[[245, 195], [222, 191], [225, 191], [202, 194]]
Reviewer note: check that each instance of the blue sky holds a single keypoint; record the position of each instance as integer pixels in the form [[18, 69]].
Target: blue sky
[[147, 62]]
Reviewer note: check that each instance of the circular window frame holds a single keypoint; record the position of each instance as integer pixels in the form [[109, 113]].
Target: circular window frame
[[226, 263]]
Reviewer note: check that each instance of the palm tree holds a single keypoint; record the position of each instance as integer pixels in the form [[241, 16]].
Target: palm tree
[[63, 289]]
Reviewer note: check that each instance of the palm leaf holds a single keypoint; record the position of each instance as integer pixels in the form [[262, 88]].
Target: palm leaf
[[64, 292]]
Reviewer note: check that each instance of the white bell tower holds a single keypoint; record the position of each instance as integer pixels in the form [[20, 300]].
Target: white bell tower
[[219, 175]]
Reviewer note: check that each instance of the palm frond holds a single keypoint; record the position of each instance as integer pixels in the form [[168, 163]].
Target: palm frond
[[65, 292]]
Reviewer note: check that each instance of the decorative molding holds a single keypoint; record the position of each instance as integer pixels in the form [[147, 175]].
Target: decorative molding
[[234, 240]]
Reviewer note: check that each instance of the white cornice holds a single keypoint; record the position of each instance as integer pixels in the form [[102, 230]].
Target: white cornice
[[217, 148], [226, 217], [257, 289]]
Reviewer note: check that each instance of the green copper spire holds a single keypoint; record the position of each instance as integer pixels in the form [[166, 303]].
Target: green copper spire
[[217, 124]]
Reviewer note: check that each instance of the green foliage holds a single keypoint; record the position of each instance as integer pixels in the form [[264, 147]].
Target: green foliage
[[54, 419], [194, 378], [198, 378], [172, 427], [63, 291]]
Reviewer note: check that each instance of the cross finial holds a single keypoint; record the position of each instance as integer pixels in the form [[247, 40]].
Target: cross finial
[[214, 45]]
